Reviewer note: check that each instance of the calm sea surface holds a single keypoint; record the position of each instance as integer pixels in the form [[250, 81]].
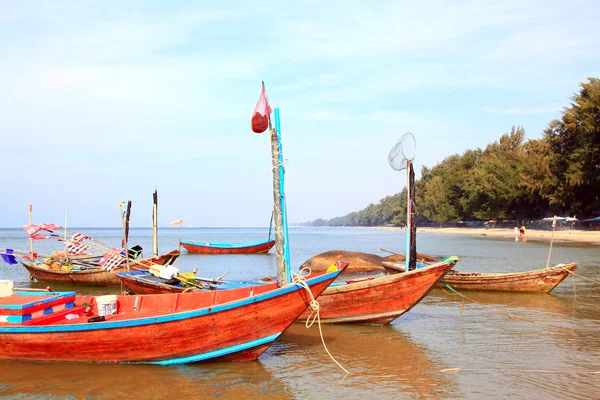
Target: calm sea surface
[[496, 357]]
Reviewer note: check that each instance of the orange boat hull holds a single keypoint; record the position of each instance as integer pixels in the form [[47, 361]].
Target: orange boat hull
[[199, 248], [237, 324], [379, 300], [539, 280]]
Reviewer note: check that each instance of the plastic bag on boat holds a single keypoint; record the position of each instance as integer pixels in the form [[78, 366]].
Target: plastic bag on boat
[[168, 272], [260, 118]]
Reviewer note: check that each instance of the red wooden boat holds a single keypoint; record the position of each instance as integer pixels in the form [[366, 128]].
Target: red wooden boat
[[539, 280], [368, 300], [238, 324], [379, 300], [93, 276], [228, 248]]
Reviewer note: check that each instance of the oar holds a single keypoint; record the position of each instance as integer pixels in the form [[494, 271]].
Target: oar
[[423, 257]]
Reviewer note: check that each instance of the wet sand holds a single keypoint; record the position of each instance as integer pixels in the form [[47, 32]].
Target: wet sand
[[569, 235]]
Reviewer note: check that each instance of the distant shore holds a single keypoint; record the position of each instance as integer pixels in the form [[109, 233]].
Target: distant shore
[[567, 235]]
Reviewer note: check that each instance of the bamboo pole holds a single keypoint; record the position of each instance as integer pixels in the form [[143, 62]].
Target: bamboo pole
[[281, 248], [31, 223], [155, 224], [551, 241]]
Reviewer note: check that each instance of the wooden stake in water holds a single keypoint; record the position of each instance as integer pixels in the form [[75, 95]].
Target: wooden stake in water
[[551, 240], [31, 223], [155, 224], [65, 236]]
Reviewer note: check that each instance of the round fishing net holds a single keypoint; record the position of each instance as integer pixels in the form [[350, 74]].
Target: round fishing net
[[403, 152]]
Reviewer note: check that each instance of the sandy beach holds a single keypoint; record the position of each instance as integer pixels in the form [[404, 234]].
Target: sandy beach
[[568, 235]]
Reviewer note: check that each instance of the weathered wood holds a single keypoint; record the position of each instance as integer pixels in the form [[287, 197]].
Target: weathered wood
[[236, 324], [92, 276], [539, 280], [359, 262], [380, 300]]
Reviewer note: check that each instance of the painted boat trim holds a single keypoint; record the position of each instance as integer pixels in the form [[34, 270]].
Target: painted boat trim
[[217, 353], [56, 296], [170, 317], [217, 245]]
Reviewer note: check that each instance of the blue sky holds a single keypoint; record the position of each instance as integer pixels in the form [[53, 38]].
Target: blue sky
[[104, 101]]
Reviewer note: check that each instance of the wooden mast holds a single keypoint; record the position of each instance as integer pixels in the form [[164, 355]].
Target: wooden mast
[[282, 254], [155, 224]]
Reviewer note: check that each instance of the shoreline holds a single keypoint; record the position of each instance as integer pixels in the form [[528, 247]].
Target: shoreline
[[592, 237]]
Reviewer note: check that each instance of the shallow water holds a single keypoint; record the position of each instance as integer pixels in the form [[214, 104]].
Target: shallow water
[[488, 354]]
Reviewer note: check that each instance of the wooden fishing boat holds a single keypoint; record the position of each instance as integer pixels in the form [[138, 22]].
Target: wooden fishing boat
[[539, 280], [228, 248], [93, 275], [379, 300], [238, 324], [368, 300]]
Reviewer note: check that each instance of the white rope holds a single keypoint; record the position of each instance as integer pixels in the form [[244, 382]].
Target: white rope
[[314, 305]]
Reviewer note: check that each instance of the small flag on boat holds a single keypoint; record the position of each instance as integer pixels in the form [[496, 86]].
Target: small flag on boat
[[262, 111], [31, 256], [75, 246], [112, 259], [33, 229], [175, 223], [39, 237], [8, 257]]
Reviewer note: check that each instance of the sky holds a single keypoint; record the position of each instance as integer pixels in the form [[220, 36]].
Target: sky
[[104, 101]]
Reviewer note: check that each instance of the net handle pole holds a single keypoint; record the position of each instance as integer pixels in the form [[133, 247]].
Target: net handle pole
[[407, 258]]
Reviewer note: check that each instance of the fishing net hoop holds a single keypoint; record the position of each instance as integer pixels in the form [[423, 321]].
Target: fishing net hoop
[[403, 152]]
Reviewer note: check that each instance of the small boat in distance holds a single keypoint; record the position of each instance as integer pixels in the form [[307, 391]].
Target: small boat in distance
[[238, 324], [228, 248], [91, 275], [539, 280]]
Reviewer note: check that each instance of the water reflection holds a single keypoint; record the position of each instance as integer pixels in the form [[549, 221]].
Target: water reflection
[[377, 357], [226, 380]]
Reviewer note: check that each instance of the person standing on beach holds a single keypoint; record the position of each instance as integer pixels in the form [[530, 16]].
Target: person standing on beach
[[516, 233], [522, 230]]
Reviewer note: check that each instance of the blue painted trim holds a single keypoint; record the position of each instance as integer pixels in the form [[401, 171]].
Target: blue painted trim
[[70, 304], [48, 311], [18, 292], [219, 353], [170, 317], [58, 296], [286, 244], [18, 319], [226, 245]]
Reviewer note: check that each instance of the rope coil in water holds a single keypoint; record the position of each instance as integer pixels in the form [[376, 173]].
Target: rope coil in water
[[299, 279]]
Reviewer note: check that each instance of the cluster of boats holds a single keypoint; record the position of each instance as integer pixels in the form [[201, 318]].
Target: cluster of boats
[[168, 317]]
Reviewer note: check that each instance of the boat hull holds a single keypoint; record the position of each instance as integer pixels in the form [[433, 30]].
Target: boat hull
[[379, 300], [92, 277], [540, 280], [224, 248], [237, 324]]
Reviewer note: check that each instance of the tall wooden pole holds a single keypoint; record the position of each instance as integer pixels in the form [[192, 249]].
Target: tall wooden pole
[[282, 255], [155, 224], [31, 223], [413, 220]]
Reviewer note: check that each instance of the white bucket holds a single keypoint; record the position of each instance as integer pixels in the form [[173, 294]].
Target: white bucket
[[6, 288], [107, 305]]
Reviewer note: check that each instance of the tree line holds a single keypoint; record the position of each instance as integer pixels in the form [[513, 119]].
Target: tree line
[[512, 178]]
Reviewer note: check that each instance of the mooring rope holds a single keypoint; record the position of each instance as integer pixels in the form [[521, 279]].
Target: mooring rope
[[511, 316], [314, 305], [580, 276]]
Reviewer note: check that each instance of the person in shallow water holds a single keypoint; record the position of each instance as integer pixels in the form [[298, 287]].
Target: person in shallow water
[[522, 230]]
